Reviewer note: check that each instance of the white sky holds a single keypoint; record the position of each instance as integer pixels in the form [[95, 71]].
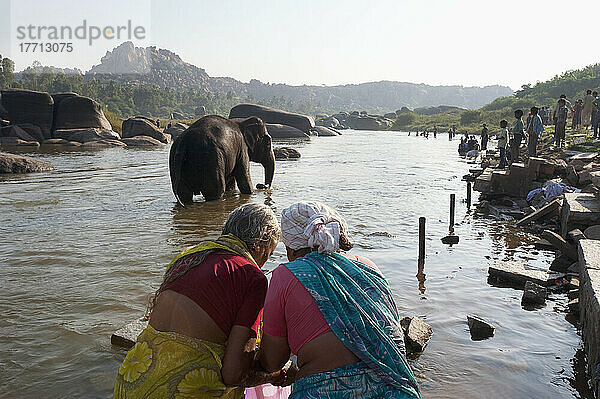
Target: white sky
[[338, 42]]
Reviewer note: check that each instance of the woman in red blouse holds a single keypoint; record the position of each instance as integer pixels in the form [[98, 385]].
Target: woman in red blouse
[[203, 324]]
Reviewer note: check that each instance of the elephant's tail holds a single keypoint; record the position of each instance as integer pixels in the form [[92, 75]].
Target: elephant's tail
[[176, 159]]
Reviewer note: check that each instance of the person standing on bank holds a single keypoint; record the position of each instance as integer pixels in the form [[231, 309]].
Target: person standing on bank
[[484, 137], [586, 110], [561, 123], [596, 115], [502, 137], [534, 130], [517, 137]]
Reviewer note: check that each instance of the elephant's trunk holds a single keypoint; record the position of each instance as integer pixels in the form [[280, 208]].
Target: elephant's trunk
[[269, 165]]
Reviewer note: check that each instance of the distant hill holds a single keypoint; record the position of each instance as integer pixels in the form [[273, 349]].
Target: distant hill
[[164, 69]]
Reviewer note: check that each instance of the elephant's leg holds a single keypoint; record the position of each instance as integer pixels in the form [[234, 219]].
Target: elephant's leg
[[213, 186], [184, 194], [230, 183], [241, 172]]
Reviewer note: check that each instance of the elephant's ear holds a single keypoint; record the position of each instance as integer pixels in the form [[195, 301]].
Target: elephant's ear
[[252, 129]]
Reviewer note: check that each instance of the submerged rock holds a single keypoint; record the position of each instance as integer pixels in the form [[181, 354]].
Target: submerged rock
[[11, 163], [278, 131], [86, 135], [102, 144], [479, 328], [273, 116], [286, 153]]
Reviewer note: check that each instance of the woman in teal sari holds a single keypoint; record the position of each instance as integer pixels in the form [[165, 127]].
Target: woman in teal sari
[[335, 312]]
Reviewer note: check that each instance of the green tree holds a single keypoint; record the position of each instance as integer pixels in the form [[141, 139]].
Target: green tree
[[470, 116], [405, 119], [7, 72]]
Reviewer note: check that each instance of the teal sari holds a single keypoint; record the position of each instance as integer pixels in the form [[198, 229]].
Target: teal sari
[[357, 303]]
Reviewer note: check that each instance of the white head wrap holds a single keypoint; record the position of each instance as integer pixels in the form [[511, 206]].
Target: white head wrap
[[312, 224]]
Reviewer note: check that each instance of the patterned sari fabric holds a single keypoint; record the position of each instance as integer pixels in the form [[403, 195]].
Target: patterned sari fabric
[[172, 365], [357, 303]]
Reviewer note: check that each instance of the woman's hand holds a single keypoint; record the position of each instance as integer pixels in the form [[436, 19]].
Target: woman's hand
[[287, 376]]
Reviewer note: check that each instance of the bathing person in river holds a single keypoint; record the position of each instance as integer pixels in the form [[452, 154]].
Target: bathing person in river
[[334, 311], [203, 323]]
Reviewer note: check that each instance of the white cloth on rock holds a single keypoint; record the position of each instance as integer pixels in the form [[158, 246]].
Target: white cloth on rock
[[312, 224]]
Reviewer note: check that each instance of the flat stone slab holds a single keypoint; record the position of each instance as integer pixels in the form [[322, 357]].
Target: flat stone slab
[[559, 243], [516, 274], [126, 336], [540, 213], [579, 209]]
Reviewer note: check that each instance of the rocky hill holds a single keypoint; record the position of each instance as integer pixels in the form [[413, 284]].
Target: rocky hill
[[165, 69]]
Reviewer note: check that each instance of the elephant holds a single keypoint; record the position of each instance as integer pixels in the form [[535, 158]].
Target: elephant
[[213, 154]]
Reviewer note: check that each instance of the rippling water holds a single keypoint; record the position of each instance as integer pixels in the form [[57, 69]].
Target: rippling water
[[81, 248]]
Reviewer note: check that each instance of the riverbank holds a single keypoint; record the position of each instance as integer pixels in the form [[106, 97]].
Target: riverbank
[[555, 197]]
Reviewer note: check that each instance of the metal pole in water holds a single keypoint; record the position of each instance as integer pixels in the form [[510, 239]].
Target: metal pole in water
[[421, 240], [452, 207], [468, 194]]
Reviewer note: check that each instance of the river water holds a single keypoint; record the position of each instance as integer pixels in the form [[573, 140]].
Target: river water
[[81, 248]]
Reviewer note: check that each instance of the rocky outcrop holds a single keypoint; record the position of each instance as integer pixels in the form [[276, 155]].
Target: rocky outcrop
[[75, 112], [323, 131], [141, 141], [176, 129], [140, 126], [274, 116], [390, 115], [124, 59], [86, 135], [330, 121], [27, 106], [362, 121], [11, 163], [278, 131]]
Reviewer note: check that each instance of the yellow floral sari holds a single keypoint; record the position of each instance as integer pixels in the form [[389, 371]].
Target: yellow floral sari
[[172, 365]]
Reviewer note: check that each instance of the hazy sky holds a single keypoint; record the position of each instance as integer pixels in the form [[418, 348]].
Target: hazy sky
[[337, 42]]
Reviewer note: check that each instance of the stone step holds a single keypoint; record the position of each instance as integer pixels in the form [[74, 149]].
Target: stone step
[[517, 275], [126, 336], [579, 210]]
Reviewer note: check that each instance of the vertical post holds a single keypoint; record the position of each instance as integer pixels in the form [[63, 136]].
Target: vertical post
[[421, 240], [468, 194], [452, 206]]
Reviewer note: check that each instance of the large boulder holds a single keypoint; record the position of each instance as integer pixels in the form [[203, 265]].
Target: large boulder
[[278, 131], [53, 143], [3, 112], [366, 122], [15, 131], [323, 131], [272, 115], [11, 163], [76, 112], [27, 106], [176, 129], [141, 126], [58, 97], [85, 135]]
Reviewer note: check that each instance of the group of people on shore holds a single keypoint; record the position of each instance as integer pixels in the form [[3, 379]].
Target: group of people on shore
[[584, 112], [216, 326]]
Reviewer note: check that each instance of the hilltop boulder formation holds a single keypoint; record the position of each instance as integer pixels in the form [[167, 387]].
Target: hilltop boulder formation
[[273, 116], [140, 126], [28, 106]]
